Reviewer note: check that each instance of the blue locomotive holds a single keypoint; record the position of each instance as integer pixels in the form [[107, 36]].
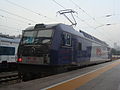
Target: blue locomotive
[[56, 47]]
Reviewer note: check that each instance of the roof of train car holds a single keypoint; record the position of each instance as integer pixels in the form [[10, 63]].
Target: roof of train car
[[70, 29], [14, 40], [64, 27]]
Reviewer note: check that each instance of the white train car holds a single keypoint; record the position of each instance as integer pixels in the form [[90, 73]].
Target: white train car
[[8, 51]]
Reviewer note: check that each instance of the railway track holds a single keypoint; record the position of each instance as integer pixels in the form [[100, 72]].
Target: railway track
[[8, 78]]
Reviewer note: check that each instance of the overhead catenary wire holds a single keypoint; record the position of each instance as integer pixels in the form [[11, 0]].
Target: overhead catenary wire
[[84, 22], [93, 28], [40, 14], [15, 19], [17, 15], [58, 4], [78, 18], [5, 27], [16, 32], [9, 27], [84, 11], [75, 15]]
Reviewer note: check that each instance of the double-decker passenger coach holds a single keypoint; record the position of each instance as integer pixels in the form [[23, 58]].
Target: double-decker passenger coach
[[49, 48]]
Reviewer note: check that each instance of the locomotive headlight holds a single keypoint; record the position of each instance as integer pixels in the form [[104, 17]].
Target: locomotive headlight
[[19, 60]]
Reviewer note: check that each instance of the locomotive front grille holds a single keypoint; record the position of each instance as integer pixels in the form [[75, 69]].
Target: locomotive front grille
[[44, 59]]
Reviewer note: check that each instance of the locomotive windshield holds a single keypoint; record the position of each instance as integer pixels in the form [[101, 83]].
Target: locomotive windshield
[[37, 36]]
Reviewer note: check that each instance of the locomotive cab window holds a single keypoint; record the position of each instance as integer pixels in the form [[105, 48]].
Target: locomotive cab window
[[37, 36], [7, 50], [28, 37], [66, 39]]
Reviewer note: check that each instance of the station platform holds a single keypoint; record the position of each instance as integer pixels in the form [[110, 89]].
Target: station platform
[[105, 76]]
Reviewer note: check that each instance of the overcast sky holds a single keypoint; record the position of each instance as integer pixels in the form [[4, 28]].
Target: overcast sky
[[92, 16]]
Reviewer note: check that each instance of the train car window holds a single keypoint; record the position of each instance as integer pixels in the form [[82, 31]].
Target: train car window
[[68, 42], [7, 50], [66, 39], [79, 46], [45, 33]]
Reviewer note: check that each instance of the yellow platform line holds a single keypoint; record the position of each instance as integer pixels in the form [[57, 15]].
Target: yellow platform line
[[78, 81]]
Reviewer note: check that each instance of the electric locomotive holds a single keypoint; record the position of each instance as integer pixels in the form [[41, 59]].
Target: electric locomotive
[[56, 47]]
